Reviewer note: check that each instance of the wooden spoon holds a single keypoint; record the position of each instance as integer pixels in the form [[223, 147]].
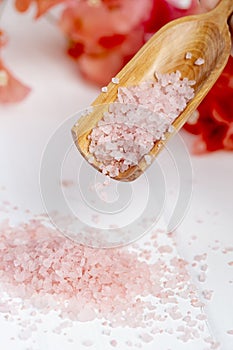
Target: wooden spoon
[[205, 35]]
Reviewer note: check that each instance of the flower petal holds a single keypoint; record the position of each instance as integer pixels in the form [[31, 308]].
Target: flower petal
[[11, 89]]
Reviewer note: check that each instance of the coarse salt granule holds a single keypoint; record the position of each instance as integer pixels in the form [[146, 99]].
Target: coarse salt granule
[[104, 89], [188, 55], [140, 117], [115, 80], [200, 61]]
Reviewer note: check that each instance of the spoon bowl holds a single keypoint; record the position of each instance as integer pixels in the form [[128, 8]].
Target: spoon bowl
[[206, 36]]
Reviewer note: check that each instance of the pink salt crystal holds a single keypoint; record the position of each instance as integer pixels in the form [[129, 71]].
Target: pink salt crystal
[[201, 317], [25, 334], [212, 342], [200, 257], [230, 332], [146, 338], [199, 61], [207, 294], [196, 303], [155, 330], [230, 263], [106, 332], [165, 249], [115, 80], [204, 267], [95, 219], [174, 313], [227, 250], [4, 308], [188, 55], [104, 89], [113, 343], [202, 277], [129, 343], [87, 343]]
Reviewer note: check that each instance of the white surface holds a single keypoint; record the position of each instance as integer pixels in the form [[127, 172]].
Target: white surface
[[24, 131]]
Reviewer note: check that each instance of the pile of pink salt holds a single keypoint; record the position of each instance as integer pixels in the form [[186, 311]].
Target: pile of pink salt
[[38, 263], [140, 117], [50, 272]]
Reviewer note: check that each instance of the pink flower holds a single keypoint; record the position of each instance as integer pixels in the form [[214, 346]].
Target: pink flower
[[11, 89], [42, 5], [104, 35]]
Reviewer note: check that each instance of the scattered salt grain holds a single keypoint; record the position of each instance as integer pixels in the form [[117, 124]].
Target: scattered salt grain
[[146, 338], [200, 61], [204, 267], [200, 257], [115, 80], [87, 343], [104, 89], [113, 343], [207, 294], [188, 55], [230, 332], [202, 277]]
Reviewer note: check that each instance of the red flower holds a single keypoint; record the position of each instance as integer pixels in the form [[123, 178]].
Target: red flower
[[11, 89], [215, 122]]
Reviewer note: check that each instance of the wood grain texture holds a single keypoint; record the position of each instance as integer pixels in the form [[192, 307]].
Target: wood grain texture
[[206, 36]]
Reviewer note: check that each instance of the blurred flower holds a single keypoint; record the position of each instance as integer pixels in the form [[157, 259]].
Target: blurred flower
[[42, 5], [11, 89], [104, 35], [3, 38], [214, 122]]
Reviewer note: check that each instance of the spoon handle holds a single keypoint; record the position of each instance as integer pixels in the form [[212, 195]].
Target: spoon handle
[[223, 9]]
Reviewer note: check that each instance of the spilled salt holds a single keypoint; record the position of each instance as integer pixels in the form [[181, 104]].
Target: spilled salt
[[141, 116], [87, 343], [113, 343], [51, 273], [200, 257], [202, 277], [207, 294]]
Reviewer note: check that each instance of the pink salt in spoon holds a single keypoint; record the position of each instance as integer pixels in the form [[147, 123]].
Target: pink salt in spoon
[[205, 36]]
